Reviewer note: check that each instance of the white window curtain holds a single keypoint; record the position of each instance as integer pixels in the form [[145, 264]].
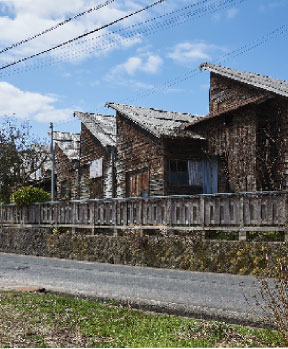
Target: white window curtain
[[195, 170]]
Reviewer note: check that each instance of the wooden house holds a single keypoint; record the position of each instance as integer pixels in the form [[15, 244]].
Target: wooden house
[[246, 129], [97, 154], [67, 151], [156, 155]]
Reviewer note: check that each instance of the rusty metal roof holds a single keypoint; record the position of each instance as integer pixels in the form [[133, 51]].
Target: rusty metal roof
[[160, 123], [102, 127], [69, 143], [267, 83]]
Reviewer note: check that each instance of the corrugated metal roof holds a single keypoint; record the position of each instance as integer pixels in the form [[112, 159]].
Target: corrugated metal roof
[[69, 143], [102, 127], [267, 83], [158, 122]]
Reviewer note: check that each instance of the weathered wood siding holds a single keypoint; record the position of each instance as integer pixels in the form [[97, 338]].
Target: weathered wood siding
[[251, 139], [138, 151], [233, 139], [91, 149], [66, 175], [225, 93], [272, 135]]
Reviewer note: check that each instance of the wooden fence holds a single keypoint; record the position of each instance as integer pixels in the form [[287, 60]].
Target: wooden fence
[[242, 212]]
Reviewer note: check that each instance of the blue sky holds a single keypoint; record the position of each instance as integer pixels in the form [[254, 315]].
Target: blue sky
[[86, 75]]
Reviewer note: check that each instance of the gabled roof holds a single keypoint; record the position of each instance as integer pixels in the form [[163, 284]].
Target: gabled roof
[[69, 143], [102, 127], [267, 83], [159, 123]]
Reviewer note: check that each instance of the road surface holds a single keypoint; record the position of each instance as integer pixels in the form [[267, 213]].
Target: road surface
[[205, 295]]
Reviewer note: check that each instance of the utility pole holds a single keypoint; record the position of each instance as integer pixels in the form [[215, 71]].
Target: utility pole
[[52, 150]]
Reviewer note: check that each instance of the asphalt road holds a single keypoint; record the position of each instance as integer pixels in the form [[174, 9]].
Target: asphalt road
[[205, 295]]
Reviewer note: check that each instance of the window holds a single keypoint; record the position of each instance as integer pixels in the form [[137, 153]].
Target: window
[[65, 190], [178, 172]]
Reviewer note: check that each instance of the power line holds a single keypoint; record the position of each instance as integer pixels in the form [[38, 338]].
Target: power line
[[58, 25], [167, 23], [193, 72], [82, 36]]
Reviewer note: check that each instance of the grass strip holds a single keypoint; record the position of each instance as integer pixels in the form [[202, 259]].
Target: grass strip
[[45, 320]]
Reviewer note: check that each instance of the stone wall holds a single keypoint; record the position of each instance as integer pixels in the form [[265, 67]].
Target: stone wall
[[161, 250]]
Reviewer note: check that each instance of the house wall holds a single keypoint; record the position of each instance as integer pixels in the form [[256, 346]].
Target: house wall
[[251, 140], [91, 149], [139, 157], [233, 139], [225, 93], [66, 175], [272, 135]]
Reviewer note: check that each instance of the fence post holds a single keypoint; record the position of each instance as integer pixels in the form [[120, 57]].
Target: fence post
[[169, 213], [115, 217], [242, 233], [202, 215]]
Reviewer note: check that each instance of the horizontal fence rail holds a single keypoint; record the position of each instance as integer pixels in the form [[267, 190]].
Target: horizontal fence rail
[[259, 211]]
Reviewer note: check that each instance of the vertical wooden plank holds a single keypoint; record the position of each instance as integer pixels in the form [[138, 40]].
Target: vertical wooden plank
[[202, 211], [242, 232], [140, 213]]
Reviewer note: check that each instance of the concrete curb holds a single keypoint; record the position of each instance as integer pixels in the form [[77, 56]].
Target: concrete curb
[[175, 309]]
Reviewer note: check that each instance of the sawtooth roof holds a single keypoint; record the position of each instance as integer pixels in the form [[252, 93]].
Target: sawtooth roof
[[69, 143], [160, 123], [267, 83], [102, 127]]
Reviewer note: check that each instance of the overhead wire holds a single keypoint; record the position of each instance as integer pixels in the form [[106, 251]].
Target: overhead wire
[[222, 59], [168, 23], [281, 30], [82, 35], [191, 73], [56, 26]]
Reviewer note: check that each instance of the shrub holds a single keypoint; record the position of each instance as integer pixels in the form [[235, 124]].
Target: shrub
[[24, 196], [272, 298]]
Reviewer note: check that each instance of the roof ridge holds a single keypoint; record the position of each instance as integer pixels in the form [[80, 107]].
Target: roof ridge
[[257, 80], [108, 104]]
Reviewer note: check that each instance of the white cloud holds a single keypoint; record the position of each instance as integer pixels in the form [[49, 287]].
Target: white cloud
[[30, 105], [272, 4], [149, 63], [231, 13], [228, 14], [187, 53], [27, 17]]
